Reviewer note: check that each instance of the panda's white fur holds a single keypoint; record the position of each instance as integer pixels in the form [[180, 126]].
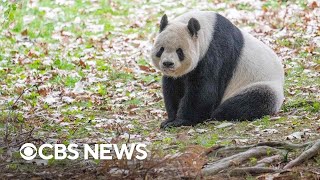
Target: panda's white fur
[[258, 65], [197, 46], [206, 19], [258, 71]]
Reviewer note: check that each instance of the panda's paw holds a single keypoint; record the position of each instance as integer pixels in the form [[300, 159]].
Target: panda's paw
[[163, 124], [175, 123]]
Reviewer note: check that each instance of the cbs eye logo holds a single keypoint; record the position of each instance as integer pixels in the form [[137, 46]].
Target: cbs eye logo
[[28, 151]]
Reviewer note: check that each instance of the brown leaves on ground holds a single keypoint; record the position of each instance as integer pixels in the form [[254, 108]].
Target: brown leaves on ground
[[187, 164], [88, 65]]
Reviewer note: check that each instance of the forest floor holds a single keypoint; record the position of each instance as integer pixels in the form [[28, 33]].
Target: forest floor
[[79, 72]]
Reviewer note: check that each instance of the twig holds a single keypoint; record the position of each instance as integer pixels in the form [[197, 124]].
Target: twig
[[119, 126], [19, 97], [7, 119], [253, 171], [11, 110], [284, 18], [314, 150], [238, 158], [128, 141], [171, 147], [20, 134]]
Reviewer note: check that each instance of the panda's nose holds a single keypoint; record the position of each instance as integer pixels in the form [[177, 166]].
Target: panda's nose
[[168, 64]]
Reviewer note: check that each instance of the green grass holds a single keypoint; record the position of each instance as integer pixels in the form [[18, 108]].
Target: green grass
[[244, 6], [54, 52]]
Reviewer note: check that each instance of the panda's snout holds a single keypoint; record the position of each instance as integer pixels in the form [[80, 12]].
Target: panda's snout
[[168, 64]]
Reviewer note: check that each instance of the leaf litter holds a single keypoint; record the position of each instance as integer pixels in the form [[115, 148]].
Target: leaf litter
[[83, 73]]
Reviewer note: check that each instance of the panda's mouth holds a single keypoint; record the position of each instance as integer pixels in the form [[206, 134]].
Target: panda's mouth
[[168, 70]]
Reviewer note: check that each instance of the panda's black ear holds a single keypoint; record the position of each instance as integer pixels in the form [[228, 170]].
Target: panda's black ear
[[163, 22], [193, 26]]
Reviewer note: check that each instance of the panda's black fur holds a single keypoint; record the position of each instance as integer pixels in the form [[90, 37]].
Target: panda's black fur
[[196, 96]]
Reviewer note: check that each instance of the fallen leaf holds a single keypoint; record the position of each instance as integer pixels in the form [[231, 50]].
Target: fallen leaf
[[296, 135]]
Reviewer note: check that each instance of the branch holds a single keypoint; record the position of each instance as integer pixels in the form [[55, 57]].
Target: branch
[[238, 159], [314, 150], [12, 107]]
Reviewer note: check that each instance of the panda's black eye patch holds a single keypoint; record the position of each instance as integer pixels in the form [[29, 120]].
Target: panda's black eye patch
[[159, 53], [180, 54]]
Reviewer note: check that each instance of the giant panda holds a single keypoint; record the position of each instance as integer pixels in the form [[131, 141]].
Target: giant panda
[[214, 71]]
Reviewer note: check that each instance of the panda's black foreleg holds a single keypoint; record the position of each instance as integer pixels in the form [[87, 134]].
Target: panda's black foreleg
[[173, 90], [195, 105], [251, 104]]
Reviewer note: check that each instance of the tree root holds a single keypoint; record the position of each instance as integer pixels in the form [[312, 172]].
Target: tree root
[[241, 154], [269, 160], [279, 145], [238, 159], [253, 171], [309, 153], [284, 145]]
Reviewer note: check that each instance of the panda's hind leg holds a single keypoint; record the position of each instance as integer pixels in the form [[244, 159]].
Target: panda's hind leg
[[252, 103]]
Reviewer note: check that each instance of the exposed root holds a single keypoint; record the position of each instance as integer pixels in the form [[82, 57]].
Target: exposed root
[[230, 150], [238, 159], [284, 145], [212, 149], [309, 153], [279, 145], [269, 160], [253, 171], [241, 154]]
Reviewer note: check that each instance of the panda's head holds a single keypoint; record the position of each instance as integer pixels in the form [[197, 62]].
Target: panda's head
[[176, 49]]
